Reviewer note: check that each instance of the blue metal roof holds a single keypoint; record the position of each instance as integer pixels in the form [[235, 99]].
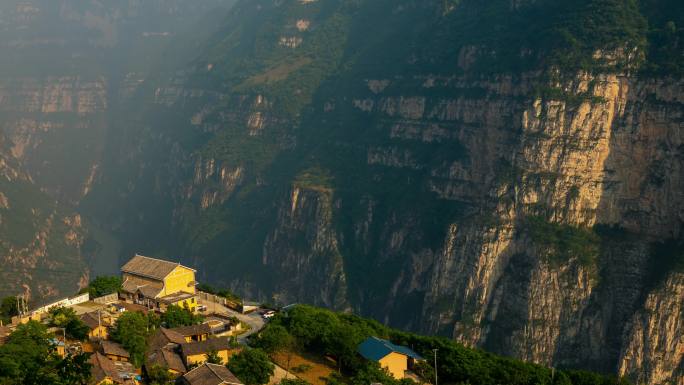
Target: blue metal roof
[[374, 348]]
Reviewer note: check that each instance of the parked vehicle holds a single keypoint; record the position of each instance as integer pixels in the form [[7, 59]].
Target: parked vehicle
[[269, 314]]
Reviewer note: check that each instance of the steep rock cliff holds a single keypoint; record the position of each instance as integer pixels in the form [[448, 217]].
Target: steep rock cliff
[[66, 71], [40, 247], [448, 167]]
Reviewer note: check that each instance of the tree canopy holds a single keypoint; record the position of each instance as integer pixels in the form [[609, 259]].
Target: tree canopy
[[66, 318], [132, 330], [104, 285], [8, 309], [251, 366], [324, 332], [158, 375], [28, 358], [176, 316]]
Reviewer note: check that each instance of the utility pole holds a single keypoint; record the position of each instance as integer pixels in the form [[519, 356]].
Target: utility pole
[[435, 351]]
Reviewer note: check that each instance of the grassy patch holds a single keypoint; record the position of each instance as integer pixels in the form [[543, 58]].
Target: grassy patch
[[315, 178], [277, 73], [562, 243], [308, 367]]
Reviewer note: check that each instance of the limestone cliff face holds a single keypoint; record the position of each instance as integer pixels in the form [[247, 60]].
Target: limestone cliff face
[[303, 245], [67, 70], [40, 240], [588, 162], [45, 117], [523, 210], [519, 213], [654, 347], [604, 150]]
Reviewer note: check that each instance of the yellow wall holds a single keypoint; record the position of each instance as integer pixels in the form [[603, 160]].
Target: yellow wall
[[196, 337], [99, 332], [202, 358], [180, 279], [191, 303], [396, 363], [61, 351]]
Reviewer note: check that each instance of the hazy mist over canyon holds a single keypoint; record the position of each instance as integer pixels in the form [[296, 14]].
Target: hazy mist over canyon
[[505, 173]]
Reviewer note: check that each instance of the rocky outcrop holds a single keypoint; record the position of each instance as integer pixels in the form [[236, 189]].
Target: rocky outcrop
[[653, 352], [69, 69], [303, 247]]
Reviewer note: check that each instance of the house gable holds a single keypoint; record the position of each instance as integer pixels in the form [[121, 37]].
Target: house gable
[[181, 278]]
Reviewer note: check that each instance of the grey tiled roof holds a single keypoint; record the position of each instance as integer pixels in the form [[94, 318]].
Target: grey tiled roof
[[203, 347], [109, 347], [166, 358], [193, 330], [149, 267], [211, 374]]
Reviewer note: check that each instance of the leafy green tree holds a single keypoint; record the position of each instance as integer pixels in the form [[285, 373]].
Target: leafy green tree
[[104, 285], [66, 318], [323, 332], [25, 354], [372, 373], [425, 370], [131, 331], [335, 378], [214, 358], [176, 316], [251, 366], [8, 309], [74, 370], [28, 358], [158, 375], [274, 339], [583, 377]]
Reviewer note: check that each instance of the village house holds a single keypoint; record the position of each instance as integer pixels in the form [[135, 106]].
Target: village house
[[105, 371], [194, 332], [156, 283], [59, 346], [395, 358], [97, 325], [166, 358], [163, 349], [114, 351], [194, 353], [210, 374], [163, 337]]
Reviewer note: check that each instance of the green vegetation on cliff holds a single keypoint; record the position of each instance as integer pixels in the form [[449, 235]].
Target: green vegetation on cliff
[[338, 335], [562, 242]]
